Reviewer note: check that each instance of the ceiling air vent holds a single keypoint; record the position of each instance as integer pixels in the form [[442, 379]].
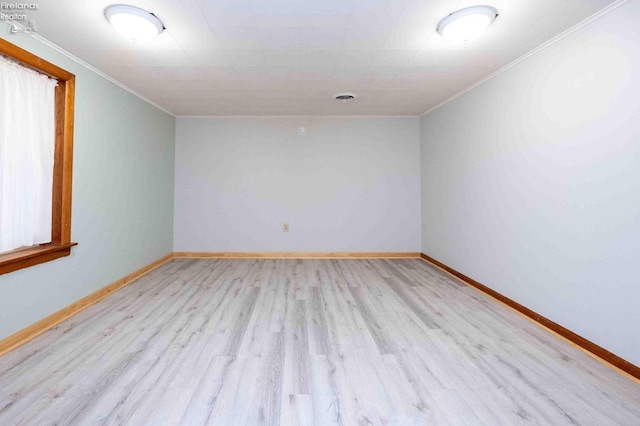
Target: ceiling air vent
[[344, 97]]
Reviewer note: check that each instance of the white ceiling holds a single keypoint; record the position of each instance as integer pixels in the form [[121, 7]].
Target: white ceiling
[[288, 57]]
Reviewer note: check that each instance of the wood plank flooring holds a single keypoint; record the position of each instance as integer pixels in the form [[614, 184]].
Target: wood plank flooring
[[286, 342]]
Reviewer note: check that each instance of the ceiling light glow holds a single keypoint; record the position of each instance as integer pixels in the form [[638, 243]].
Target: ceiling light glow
[[134, 23], [466, 24]]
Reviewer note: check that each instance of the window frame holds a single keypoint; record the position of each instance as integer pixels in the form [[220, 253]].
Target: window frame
[[60, 244]]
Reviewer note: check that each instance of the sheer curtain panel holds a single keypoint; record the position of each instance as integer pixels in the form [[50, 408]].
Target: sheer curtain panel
[[27, 142]]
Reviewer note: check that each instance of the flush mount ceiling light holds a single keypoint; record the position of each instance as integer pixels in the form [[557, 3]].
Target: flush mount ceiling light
[[344, 97], [134, 23], [468, 23]]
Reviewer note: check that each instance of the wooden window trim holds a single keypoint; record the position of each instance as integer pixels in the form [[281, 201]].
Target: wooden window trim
[[60, 244]]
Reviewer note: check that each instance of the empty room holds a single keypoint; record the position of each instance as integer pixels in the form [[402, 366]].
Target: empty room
[[318, 212]]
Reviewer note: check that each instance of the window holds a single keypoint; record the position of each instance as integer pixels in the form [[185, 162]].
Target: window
[[52, 159]]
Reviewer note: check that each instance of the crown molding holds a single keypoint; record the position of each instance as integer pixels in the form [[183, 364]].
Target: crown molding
[[74, 58], [613, 6]]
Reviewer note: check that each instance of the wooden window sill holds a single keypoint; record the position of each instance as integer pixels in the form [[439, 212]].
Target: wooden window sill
[[60, 244], [19, 259]]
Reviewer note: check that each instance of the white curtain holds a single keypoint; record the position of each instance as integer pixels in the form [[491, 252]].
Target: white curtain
[[27, 139]]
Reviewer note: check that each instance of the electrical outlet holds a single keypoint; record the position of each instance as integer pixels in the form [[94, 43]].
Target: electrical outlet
[[285, 227]]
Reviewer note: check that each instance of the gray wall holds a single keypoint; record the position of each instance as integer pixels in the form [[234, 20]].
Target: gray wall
[[122, 197], [531, 182], [350, 184]]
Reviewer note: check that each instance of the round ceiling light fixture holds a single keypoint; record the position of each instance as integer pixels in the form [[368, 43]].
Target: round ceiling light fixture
[[344, 97], [134, 23], [468, 23]]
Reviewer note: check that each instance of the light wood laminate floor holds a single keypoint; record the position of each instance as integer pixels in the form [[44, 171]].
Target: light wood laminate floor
[[248, 342]]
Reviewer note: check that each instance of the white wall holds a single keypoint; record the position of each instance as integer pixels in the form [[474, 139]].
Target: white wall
[[122, 217], [531, 182], [350, 184]]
